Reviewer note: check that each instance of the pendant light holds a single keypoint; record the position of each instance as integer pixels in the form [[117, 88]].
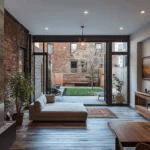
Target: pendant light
[[82, 39]]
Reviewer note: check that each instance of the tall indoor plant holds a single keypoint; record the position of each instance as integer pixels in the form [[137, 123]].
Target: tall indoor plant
[[118, 84], [20, 90]]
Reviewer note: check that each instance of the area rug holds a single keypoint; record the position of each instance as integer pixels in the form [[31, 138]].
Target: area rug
[[100, 113]]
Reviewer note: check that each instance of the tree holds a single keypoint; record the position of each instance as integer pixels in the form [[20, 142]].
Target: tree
[[89, 60]]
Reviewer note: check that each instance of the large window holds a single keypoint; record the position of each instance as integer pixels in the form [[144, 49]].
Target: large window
[[73, 48], [84, 66], [73, 66], [98, 46], [119, 47], [50, 48]]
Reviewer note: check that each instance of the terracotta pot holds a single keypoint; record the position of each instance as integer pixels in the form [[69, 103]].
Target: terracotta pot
[[18, 118]]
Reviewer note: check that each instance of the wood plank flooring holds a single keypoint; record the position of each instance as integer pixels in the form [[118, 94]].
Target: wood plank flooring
[[95, 135]]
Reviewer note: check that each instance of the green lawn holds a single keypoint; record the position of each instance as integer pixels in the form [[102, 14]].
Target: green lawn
[[80, 91]]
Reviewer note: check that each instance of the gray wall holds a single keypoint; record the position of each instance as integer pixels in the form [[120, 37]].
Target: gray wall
[[135, 73]]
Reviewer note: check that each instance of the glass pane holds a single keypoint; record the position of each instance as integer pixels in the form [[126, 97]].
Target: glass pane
[[98, 46], [50, 49], [73, 48], [119, 47], [119, 79], [38, 47]]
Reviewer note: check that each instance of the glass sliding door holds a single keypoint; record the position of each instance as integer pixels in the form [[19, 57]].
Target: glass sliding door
[[119, 73], [54, 65], [119, 79]]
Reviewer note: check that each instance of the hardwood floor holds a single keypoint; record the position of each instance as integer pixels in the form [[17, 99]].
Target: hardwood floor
[[72, 136]]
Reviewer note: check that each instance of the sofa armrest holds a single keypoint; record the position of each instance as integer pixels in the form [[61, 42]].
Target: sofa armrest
[[31, 111], [50, 98]]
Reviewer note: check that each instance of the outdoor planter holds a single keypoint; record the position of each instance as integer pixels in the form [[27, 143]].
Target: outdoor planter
[[119, 99], [57, 86]]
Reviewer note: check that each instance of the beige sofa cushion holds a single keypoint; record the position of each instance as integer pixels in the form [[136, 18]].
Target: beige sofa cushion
[[64, 109], [39, 104]]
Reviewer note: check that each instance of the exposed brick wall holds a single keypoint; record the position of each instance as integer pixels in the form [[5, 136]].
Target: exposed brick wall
[[62, 56], [1, 55], [15, 37], [85, 55], [1, 63], [38, 74]]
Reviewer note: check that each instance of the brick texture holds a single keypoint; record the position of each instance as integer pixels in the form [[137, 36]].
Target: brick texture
[[15, 37], [84, 55], [1, 56]]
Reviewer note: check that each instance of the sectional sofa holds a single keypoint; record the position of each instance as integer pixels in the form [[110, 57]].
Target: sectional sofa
[[46, 109]]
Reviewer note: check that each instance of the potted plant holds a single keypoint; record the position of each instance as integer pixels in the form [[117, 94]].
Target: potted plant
[[119, 84], [20, 90]]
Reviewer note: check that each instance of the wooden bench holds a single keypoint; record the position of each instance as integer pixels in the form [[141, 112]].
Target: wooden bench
[[76, 79], [76, 83]]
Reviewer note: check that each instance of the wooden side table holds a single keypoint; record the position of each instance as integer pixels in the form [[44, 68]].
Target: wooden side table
[[141, 103]]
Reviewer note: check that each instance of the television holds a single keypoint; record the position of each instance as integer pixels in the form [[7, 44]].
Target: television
[[146, 68]]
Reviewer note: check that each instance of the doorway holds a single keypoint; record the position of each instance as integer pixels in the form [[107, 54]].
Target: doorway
[[57, 79], [77, 69]]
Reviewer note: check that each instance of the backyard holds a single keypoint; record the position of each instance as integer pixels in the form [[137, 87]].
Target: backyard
[[81, 91]]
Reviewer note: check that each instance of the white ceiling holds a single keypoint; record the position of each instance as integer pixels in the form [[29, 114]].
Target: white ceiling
[[64, 17]]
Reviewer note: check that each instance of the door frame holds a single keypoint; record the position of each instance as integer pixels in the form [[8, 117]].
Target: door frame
[[109, 82]]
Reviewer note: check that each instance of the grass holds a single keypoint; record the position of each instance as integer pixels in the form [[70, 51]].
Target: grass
[[81, 91]]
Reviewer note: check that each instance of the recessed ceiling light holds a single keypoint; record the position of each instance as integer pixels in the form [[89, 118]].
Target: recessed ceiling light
[[86, 12], [46, 28], [142, 12], [121, 28], [64, 47]]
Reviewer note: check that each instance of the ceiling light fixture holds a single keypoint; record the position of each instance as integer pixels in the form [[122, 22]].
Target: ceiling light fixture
[[46, 28], [121, 28], [86, 12], [142, 12], [82, 39]]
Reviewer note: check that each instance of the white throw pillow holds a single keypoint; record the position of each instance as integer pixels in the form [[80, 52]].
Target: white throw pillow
[[44, 99], [39, 104]]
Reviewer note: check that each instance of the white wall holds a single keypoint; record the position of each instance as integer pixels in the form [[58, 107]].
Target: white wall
[[145, 53], [140, 36]]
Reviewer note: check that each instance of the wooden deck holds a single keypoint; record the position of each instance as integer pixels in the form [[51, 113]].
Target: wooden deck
[[95, 135]]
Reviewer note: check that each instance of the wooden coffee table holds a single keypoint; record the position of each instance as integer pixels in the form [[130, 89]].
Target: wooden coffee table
[[129, 134]]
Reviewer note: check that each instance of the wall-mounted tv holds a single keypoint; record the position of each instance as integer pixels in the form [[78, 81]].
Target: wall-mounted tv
[[146, 68]]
